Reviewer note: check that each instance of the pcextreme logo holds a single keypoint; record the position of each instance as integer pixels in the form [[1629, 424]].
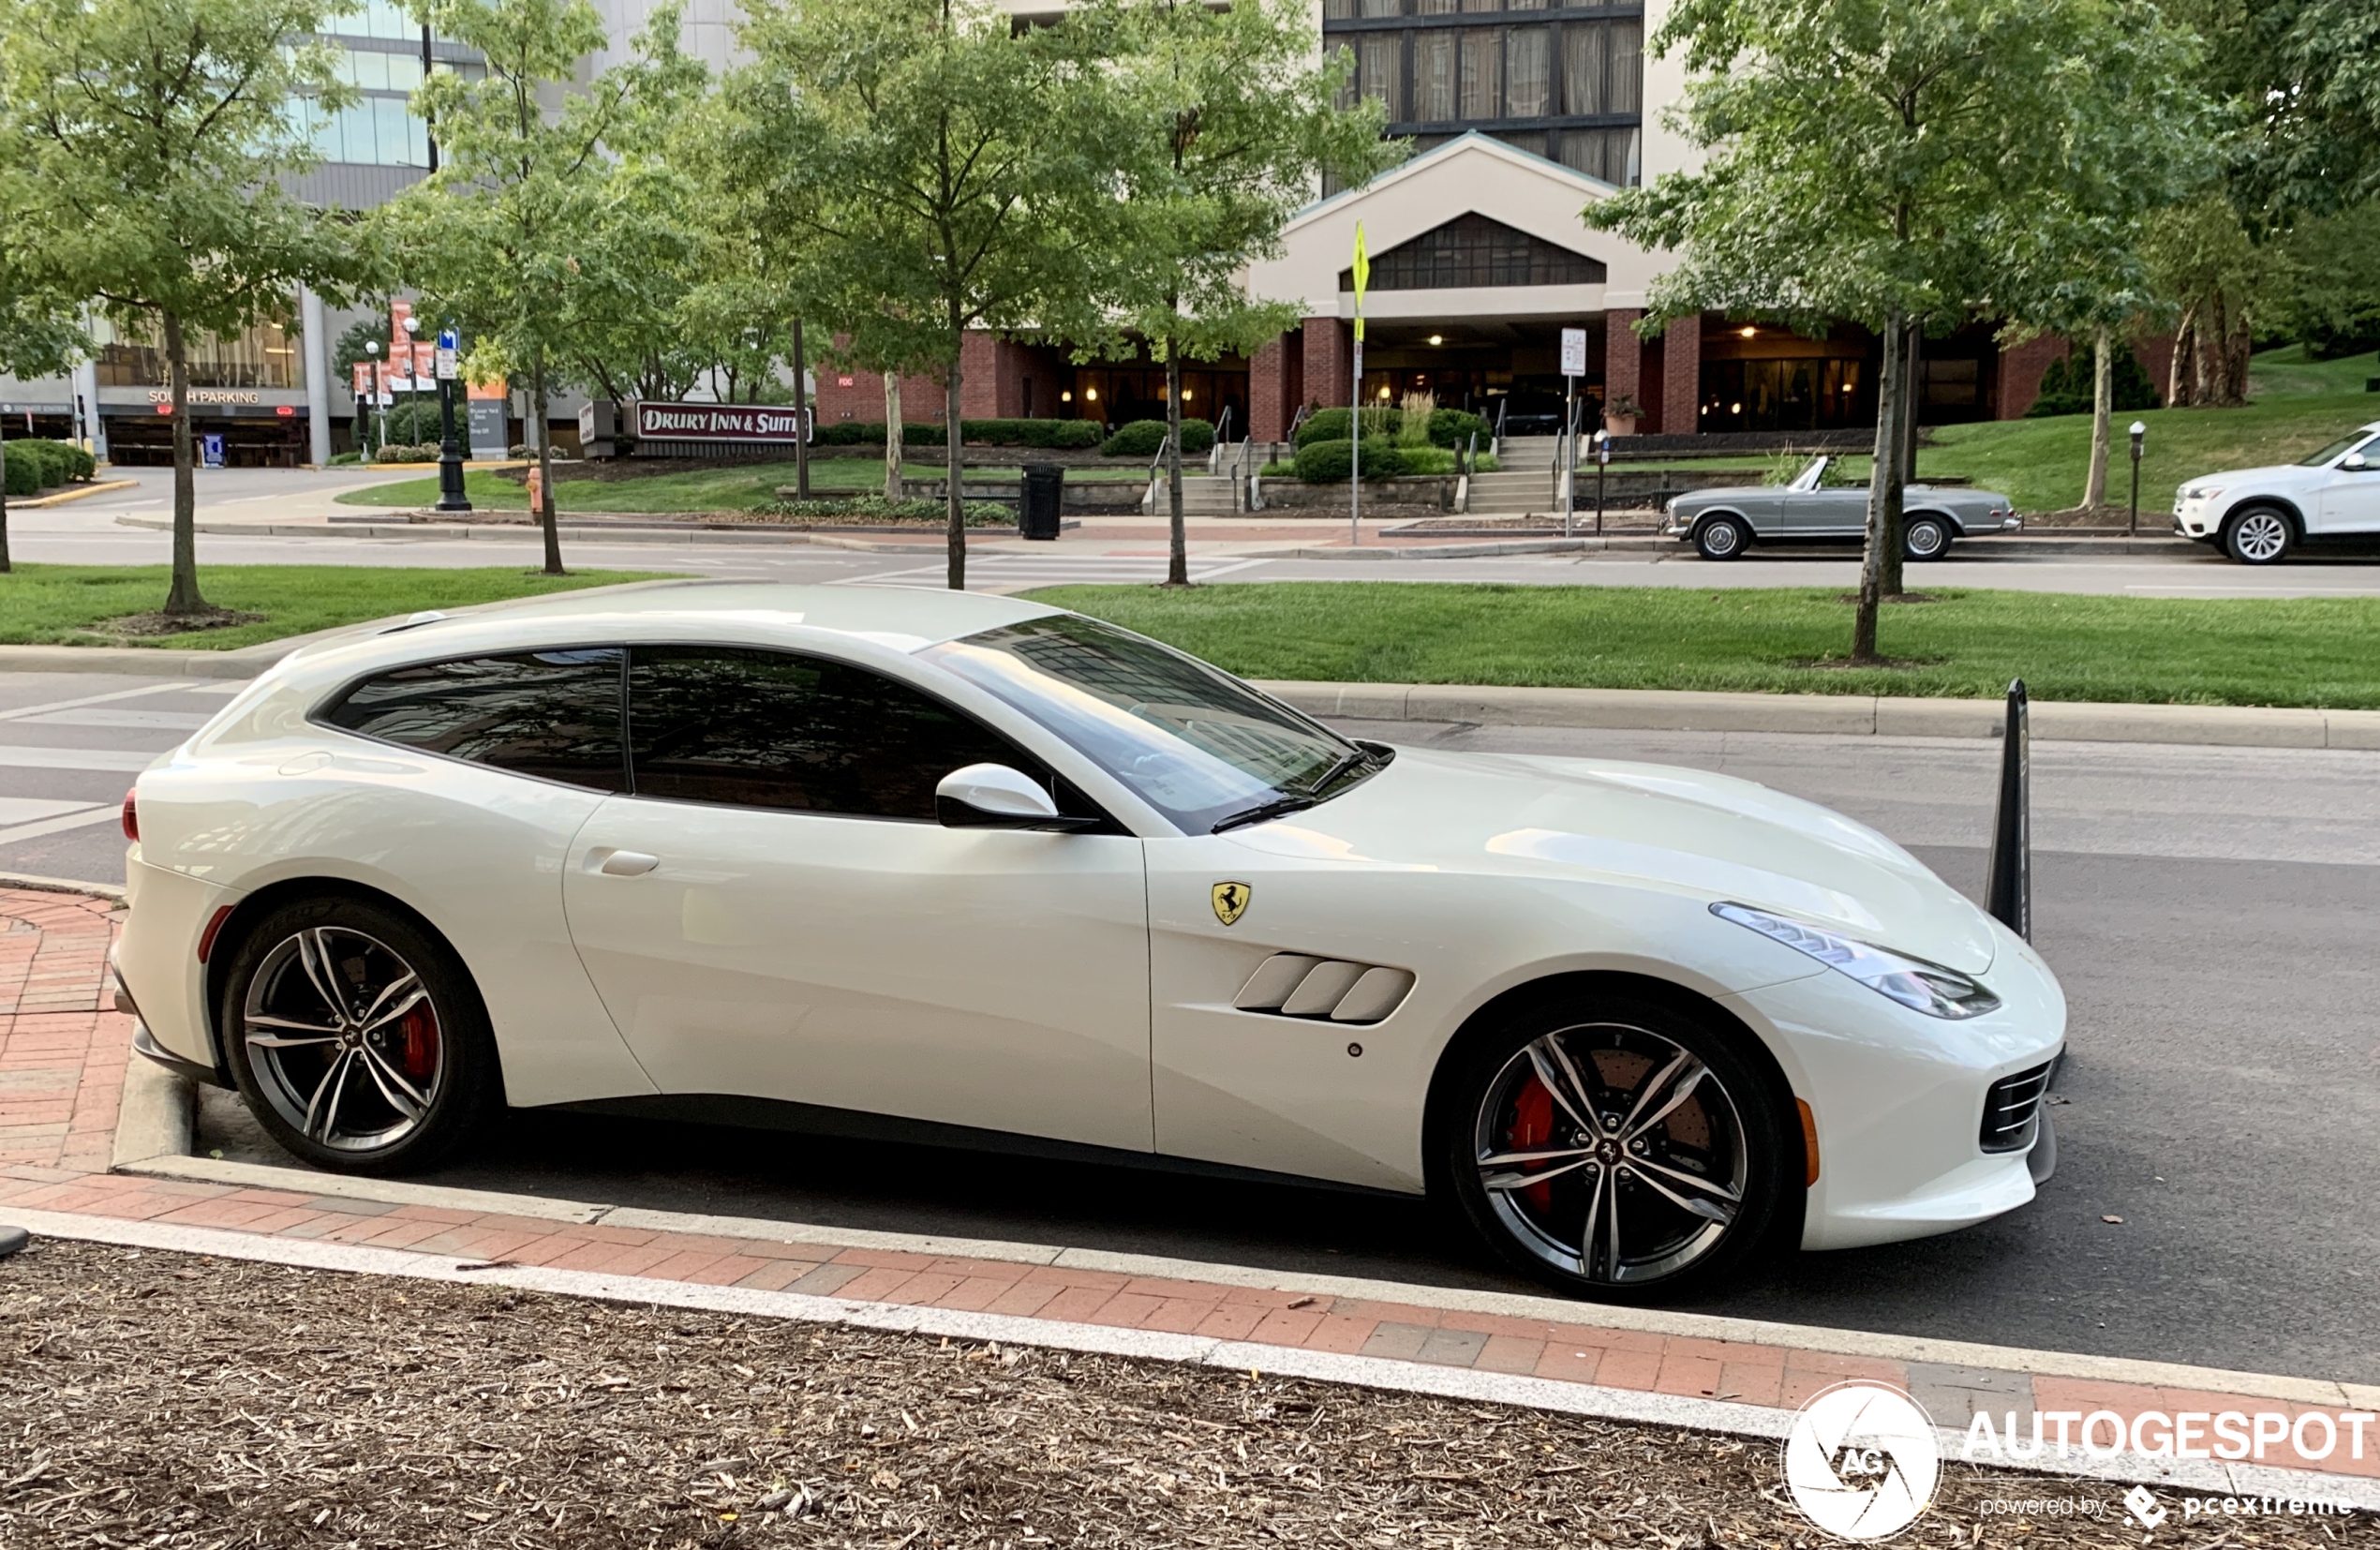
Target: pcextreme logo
[[1862, 1461]]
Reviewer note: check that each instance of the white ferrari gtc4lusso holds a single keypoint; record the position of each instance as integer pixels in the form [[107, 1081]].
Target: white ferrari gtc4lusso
[[985, 872]]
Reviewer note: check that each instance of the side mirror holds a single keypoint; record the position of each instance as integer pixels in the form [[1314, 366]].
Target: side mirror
[[991, 795], [2354, 462]]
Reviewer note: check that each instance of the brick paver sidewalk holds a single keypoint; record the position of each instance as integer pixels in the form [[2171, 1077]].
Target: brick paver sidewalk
[[61, 1062]]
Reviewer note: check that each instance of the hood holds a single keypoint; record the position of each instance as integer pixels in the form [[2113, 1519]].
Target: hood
[[2279, 474], [1682, 831]]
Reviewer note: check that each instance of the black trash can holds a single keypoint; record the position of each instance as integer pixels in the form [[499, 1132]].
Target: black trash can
[[1040, 493]]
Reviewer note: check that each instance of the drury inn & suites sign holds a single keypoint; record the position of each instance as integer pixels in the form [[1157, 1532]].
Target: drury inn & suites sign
[[719, 423]]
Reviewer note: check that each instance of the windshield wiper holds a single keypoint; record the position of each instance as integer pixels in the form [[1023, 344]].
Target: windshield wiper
[[1310, 797]]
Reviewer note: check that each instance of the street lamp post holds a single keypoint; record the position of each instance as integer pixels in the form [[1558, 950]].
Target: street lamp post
[[2139, 432], [380, 389], [449, 451]]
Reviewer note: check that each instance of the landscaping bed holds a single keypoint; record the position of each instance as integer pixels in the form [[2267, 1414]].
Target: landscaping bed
[[185, 1403], [1965, 643]]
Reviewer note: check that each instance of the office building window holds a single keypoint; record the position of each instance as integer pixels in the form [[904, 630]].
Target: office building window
[[1382, 69], [1473, 250], [264, 356], [1528, 87], [1482, 73]]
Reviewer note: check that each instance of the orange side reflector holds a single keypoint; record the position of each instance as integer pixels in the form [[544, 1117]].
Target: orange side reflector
[[1809, 1142]]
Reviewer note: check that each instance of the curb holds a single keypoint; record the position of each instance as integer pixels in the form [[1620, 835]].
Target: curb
[[1644, 1321], [35, 883], [1622, 1404], [930, 543], [70, 495], [154, 1116], [1837, 715]]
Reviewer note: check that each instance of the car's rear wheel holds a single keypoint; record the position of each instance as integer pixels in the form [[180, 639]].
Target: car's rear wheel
[[2261, 535], [1926, 536], [1722, 537], [1624, 1150], [356, 1037]]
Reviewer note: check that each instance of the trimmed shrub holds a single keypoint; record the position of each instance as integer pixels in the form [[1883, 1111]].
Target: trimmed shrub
[[52, 463], [1141, 439], [2066, 386], [400, 452], [1331, 425], [1326, 462], [1454, 427], [875, 508], [24, 473], [345, 458]]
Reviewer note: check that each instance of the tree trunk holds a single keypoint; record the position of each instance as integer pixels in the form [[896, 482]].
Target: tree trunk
[[953, 437], [2213, 389], [1885, 488], [801, 413], [183, 596], [1890, 559], [1178, 560], [544, 430], [2240, 344], [892, 436], [2103, 406], [2178, 369]]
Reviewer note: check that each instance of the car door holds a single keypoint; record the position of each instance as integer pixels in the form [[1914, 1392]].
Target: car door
[[772, 910], [2348, 500], [1794, 509]]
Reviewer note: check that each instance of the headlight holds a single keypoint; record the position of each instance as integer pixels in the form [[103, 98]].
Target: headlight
[[1922, 986], [2200, 492]]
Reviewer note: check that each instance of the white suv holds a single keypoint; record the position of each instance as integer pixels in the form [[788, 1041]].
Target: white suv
[[2257, 516]]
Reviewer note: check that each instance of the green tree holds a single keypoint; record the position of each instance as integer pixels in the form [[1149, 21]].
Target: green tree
[[535, 225], [1905, 164], [143, 149], [1231, 121], [39, 337], [933, 170]]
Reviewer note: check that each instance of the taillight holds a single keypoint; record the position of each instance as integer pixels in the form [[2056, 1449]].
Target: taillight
[[131, 816]]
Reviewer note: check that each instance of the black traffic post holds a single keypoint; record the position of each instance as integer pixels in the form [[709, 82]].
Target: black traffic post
[[1602, 462], [2009, 875], [2139, 432], [449, 451], [13, 1239]]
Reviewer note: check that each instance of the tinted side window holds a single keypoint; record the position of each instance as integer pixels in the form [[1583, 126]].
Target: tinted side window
[[771, 729], [554, 714]]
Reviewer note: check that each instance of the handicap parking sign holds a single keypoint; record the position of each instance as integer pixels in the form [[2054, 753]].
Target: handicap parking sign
[[210, 451]]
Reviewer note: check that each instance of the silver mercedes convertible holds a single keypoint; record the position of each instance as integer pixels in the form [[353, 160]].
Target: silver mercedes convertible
[[1722, 523]]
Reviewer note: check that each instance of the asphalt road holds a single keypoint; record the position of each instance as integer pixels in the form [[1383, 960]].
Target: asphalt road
[[2210, 911], [86, 532]]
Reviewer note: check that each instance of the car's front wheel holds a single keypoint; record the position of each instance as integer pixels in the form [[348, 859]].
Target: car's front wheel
[[356, 1037], [2258, 536], [1926, 537], [1624, 1150], [1722, 537]]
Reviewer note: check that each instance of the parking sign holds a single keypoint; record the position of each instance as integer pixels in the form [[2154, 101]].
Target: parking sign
[[1574, 353]]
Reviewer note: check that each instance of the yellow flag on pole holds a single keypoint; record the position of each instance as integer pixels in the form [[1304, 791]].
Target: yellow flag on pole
[[1363, 278]]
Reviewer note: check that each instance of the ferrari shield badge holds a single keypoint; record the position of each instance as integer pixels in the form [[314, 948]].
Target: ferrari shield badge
[[1231, 902]]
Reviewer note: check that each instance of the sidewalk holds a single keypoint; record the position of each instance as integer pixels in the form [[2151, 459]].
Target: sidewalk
[[62, 1078]]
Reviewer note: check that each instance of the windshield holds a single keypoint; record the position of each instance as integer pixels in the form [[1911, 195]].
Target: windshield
[[2335, 449], [1193, 742]]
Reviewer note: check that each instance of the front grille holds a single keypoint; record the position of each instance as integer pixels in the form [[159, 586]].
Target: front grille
[[2012, 1110]]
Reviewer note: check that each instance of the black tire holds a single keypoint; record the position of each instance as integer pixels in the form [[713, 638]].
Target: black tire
[[1722, 537], [2260, 535], [1926, 536], [388, 1079], [1493, 1100]]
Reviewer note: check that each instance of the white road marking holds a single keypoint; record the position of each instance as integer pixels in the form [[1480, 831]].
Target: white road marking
[[27, 810], [133, 760], [1010, 573], [26, 713], [162, 721], [104, 812]]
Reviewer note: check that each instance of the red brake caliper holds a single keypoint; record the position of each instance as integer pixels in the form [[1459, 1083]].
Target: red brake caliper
[[1533, 1125], [420, 1027]]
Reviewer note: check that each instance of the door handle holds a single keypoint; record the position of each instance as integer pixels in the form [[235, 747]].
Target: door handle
[[628, 863]]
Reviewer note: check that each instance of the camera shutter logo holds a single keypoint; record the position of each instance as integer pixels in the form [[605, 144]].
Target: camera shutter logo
[[1862, 1461]]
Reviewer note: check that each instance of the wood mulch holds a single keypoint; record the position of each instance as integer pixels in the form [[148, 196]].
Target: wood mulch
[[169, 1400]]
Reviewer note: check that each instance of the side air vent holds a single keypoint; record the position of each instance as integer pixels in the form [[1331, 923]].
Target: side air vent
[[1326, 990], [2009, 1109]]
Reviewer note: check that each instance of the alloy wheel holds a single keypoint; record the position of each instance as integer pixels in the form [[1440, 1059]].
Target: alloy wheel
[[1925, 540], [344, 1039], [1612, 1153], [1721, 540], [2260, 536]]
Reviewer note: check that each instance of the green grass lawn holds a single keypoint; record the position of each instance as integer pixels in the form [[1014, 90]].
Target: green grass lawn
[[736, 488], [71, 605], [2288, 369], [2311, 652]]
